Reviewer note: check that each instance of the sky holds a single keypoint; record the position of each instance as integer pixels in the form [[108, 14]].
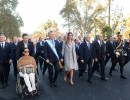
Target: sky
[[36, 12]]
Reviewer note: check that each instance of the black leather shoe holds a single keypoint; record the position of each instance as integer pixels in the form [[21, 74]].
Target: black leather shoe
[[2, 86], [103, 79], [89, 81], [54, 84], [123, 77], [34, 92], [6, 84]]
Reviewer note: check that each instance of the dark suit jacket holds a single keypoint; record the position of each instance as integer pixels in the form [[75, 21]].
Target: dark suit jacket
[[5, 53], [99, 50], [40, 49], [20, 49], [85, 53], [110, 47], [13, 51], [49, 54]]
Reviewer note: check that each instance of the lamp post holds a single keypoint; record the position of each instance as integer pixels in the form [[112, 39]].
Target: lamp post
[[109, 12]]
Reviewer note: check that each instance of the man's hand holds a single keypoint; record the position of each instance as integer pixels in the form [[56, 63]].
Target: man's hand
[[96, 60], [61, 60], [82, 61], [47, 61], [10, 61]]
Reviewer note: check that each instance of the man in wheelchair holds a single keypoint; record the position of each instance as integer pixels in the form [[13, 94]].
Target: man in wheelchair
[[26, 69]]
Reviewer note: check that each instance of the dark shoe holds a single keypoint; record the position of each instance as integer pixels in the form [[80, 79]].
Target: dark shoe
[[6, 84], [123, 77], [54, 84], [2, 86], [31, 93], [103, 79], [34, 92], [89, 81]]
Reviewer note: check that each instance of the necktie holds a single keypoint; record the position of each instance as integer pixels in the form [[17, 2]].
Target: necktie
[[89, 45], [2, 45]]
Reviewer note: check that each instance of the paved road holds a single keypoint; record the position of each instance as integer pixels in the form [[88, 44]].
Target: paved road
[[114, 89]]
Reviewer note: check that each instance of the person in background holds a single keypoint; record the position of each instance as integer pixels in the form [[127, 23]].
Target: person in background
[[13, 54], [5, 61]]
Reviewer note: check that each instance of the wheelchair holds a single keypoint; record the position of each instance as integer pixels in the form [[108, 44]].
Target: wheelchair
[[21, 88]]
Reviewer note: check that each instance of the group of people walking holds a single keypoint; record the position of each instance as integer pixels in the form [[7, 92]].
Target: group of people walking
[[74, 54]]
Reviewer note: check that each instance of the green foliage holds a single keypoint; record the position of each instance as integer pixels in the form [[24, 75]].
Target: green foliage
[[10, 20], [107, 31], [82, 15]]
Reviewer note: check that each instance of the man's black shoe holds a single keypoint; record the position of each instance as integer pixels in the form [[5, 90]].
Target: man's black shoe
[[103, 79], [54, 84], [6, 84], [89, 81], [123, 77], [2, 86]]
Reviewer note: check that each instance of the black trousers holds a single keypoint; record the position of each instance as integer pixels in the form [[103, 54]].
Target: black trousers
[[4, 74], [126, 60], [82, 68], [107, 59], [15, 68], [102, 66], [40, 62], [53, 76], [44, 67], [115, 61]]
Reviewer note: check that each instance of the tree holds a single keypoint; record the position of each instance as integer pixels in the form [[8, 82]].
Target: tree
[[107, 31], [10, 20], [81, 15], [44, 28]]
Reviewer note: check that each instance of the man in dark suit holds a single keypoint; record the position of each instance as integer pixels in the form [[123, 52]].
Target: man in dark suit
[[40, 51], [99, 48], [110, 47], [86, 56], [13, 54], [4, 61], [52, 55], [25, 43]]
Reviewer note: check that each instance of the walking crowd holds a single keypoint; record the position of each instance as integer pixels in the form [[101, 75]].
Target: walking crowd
[[73, 54]]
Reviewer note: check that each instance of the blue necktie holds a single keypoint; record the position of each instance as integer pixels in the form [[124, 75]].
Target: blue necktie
[[89, 46]]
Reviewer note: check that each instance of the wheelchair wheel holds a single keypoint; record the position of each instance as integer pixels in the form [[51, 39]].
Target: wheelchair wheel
[[18, 86]]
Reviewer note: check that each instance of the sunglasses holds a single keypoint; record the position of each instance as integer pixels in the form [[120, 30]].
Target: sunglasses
[[26, 51]]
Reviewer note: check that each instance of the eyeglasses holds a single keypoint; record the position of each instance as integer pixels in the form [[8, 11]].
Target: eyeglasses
[[26, 51]]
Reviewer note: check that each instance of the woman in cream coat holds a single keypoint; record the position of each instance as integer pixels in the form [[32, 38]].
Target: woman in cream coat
[[70, 60]]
